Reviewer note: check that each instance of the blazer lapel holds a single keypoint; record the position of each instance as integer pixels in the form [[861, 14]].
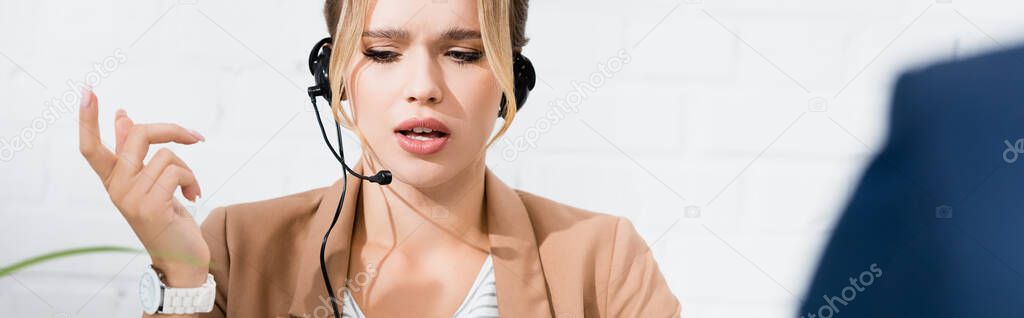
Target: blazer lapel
[[310, 293], [519, 278]]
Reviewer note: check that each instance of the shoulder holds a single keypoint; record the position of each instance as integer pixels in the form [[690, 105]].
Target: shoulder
[[552, 220], [986, 65], [984, 72], [601, 256], [245, 233], [589, 236], [940, 98], [264, 217]]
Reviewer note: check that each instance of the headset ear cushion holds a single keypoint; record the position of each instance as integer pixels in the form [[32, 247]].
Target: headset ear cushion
[[323, 70], [325, 65], [525, 79], [319, 67]]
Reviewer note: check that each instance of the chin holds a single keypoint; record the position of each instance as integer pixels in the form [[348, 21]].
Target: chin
[[422, 172], [428, 171]]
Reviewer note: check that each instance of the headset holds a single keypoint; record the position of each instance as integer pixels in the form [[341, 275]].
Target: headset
[[319, 65]]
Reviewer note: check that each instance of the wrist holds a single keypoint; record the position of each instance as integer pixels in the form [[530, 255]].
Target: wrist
[[182, 276], [175, 292]]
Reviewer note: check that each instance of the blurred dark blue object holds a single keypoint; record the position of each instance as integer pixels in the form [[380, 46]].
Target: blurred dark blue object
[[935, 228]]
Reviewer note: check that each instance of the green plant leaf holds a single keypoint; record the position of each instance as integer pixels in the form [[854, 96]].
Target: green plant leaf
[[8, 270]]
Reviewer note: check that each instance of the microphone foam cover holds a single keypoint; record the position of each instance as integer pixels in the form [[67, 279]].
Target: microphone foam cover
[[383, 177]]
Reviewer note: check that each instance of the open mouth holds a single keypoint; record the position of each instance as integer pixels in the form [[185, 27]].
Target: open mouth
[[423, 134]]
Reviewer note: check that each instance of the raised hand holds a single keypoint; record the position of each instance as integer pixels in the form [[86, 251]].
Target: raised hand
[[144, 193]]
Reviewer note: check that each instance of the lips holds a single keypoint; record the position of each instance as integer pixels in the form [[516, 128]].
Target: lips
[[434, 125], [422, 136]]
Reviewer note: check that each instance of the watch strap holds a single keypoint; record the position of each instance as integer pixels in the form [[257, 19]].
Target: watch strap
[[189, 300]]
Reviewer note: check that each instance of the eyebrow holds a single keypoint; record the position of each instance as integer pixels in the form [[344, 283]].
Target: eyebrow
[[451, 34], [388, 33], [459, 34]]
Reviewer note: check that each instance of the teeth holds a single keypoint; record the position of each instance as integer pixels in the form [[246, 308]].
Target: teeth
[[420, 138], [421, 130]]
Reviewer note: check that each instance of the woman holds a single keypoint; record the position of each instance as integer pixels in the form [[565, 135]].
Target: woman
[[446, 236]]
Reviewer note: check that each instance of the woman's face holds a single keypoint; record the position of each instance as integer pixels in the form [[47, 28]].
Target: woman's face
[[423, 59]]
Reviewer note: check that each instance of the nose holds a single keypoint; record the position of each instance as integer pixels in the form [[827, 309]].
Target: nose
[[425, 81]]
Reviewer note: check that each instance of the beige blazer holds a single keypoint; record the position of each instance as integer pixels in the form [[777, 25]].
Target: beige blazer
[[550, 259]]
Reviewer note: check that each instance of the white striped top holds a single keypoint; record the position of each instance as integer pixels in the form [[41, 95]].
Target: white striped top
[[481, 302]]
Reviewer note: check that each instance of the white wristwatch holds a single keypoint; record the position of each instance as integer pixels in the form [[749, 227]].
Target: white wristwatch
[[157, 298]]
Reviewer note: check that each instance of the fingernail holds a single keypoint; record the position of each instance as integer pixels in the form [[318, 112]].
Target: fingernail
[[120, 113], [197, 135], [86, 98]]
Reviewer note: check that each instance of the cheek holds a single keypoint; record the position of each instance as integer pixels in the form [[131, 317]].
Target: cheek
[[371, 98], [477, 92], [374, 85], [479, 97]]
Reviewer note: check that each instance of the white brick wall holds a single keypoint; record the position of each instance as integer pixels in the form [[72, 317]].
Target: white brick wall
[[758, 114]]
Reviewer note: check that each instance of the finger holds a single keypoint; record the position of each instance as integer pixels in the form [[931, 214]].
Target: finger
[[172, 177], [99, 157], [164, 157], [122, 125], [140, 136]]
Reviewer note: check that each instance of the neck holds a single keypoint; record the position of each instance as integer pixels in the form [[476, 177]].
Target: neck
[[451, 213]]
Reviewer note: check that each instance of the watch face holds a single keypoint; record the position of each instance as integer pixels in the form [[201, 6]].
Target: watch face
[[150, 291]]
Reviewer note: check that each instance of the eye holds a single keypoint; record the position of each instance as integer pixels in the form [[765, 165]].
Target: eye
[[382, 57], [463, 57]]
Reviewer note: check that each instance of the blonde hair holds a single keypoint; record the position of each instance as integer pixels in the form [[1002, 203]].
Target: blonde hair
[[502, 31]]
